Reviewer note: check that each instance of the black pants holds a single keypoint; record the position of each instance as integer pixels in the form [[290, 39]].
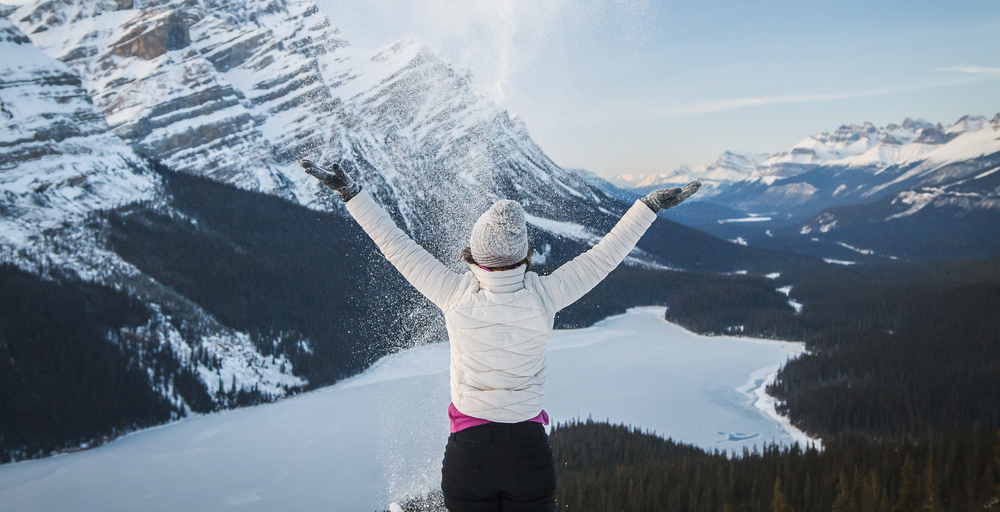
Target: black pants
[[499, 467]]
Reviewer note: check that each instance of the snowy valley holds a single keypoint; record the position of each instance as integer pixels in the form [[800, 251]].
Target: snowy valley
[[378, 437], [152, 148], [160, 243]]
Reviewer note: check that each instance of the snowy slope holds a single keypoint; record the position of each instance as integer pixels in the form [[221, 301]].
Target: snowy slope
[[60, 161], [239, 91], [380, 436], [60, 164]]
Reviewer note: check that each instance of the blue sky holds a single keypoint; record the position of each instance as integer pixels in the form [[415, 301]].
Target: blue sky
[[619, 86]]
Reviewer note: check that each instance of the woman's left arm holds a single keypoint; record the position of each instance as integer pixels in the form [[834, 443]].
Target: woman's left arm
[[574, 279]]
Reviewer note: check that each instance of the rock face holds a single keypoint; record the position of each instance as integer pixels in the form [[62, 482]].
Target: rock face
[[60, 166], [152, 36], [60, 161], [240, 91]]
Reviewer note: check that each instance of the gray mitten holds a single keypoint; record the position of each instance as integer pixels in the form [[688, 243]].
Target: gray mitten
[[669, 197], [336, 179]]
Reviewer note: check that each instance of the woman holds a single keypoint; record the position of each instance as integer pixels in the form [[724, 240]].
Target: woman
[[499, 316]]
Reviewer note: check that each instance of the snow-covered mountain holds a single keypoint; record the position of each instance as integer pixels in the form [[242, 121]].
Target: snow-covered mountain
[[104, 99], [861, 147], [61, 164], [828, 181], [731, 167], [240, 91], [862, 163]]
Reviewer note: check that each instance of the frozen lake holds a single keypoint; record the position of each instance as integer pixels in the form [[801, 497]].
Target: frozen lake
[[379, 436]]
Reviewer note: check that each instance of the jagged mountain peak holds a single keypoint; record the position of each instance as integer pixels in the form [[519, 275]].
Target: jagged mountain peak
[[967, 124], [916, 124], [239, 93], [729, 168]]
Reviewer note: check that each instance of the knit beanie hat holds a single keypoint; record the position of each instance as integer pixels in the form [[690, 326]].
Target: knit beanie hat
[[500, 236]]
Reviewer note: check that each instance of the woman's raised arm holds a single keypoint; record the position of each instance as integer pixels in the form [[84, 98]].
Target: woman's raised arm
[[578, 276], [428, 275]]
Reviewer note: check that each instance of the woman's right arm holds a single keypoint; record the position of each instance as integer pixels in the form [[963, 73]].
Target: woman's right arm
[[428, 275], [577, 277]]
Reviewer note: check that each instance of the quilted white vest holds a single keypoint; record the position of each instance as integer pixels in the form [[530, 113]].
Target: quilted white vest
[[499, 322]]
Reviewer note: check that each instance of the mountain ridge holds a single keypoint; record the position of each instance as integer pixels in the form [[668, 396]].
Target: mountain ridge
[[847, 146]]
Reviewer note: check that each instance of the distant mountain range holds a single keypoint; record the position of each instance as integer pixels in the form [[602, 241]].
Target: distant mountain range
[[914, 190]]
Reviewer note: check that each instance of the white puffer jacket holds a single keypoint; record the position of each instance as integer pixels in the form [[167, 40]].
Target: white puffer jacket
[[499, 322]]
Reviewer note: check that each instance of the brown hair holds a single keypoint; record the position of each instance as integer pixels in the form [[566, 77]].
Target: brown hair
[[466, 256]]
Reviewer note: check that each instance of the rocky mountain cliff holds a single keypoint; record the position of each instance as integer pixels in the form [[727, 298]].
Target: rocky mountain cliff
[[62, 166], [240, 91]]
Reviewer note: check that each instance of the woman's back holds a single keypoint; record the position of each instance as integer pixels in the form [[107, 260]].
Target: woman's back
[[498, 330]]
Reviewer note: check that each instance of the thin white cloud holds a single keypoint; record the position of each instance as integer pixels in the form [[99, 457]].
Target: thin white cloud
[[976, 70], [733, 104], [631, 112]]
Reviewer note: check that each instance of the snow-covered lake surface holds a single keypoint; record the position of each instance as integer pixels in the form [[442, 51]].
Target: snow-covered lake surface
[[379, 436]]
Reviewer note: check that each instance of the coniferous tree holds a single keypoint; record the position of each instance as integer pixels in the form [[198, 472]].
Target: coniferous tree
[[907, 501], [780, 502], [932, 494], [994, 504]]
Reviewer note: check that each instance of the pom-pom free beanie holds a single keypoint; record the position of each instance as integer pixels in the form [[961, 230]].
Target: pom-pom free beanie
[[500, 236]]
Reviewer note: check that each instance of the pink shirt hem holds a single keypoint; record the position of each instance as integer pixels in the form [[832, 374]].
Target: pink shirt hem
[[461, 421]]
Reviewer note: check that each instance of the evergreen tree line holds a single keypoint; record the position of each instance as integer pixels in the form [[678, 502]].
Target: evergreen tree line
[[312, 280], [66, 378], [906, 350], [713, 304], [610, 468]]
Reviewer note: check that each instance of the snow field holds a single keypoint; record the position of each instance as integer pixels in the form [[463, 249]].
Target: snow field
[[374, 438]]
